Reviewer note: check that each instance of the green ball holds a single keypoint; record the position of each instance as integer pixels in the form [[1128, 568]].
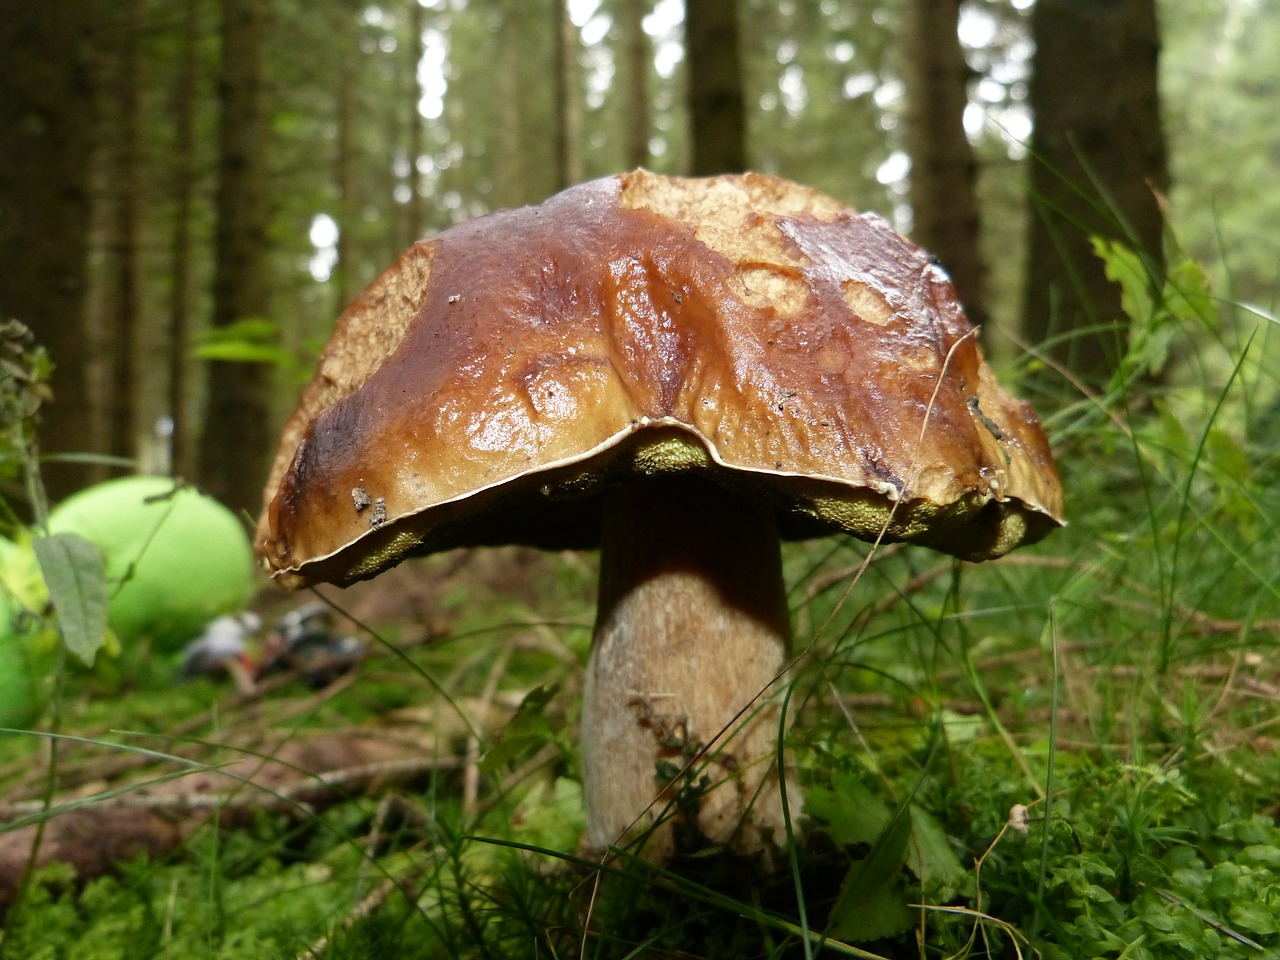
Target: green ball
[[175, 558], [19, 703]]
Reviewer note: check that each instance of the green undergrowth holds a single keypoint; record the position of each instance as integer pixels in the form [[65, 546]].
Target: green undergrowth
[[1067, 753]]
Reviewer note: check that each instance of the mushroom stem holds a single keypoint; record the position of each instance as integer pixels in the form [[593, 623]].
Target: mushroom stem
[[679, 722]]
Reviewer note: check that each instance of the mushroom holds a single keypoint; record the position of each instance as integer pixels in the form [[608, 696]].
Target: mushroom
[[681, 372]]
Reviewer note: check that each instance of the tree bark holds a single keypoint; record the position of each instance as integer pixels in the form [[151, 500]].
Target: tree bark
[[717, 108], [638, 57], [415, 210], [238, 434], [45, 119], [344, 273], [943, 167], [510, 186], [1098, 162], [180, 242], [568, 105], [125, 323]]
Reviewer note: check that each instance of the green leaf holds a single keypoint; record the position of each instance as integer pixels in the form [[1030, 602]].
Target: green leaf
[[930, 855], [872, 903], [849, 811], [241, 352], [20, 577], [871, 912], [1255, 916], [1151, 331], [1124, 266], [1262, 855], [529, 728], [76, 575], [252, 329], [248, 340], [1187, 296]]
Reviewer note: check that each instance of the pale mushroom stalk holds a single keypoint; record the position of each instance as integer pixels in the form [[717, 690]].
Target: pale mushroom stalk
[[692, 629]]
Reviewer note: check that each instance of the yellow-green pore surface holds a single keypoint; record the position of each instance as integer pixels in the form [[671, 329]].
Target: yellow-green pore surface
[[499, 377]]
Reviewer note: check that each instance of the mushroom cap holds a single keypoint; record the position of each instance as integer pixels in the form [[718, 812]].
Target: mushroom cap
[[741, 327]]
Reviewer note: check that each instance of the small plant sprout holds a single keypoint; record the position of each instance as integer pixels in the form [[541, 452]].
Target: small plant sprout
[[1019, 818]]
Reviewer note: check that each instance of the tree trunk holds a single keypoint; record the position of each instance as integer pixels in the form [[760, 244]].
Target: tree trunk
[[238, 434], [638, 57], [344, 273], [125, 322], [415, 210], [943, 168], [1098, 161], [510, 187], [184, 190], [717, 108], [45, 118], [568, 106]]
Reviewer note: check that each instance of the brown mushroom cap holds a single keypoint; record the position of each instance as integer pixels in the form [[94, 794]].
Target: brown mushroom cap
[[743, 327]]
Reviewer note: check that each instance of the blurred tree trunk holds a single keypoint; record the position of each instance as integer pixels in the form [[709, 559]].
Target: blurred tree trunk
[[344, 273], [638, 59], [509, 187], [943, 167], [717, 108], [45, 119], [1098, 159], [183, 111], [235, 446], [568, 107], [124, 322], [415, 210]]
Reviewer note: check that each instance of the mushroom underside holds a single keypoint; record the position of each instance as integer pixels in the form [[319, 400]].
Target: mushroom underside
[[681, 718], [561, 507]]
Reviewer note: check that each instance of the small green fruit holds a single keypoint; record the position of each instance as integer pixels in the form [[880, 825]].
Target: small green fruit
[[175, 558], [19, 704]]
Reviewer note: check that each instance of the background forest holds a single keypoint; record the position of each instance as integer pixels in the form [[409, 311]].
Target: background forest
[[210, 182], [191, 191]]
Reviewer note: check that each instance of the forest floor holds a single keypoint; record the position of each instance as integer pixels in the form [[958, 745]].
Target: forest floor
[[981, 779]]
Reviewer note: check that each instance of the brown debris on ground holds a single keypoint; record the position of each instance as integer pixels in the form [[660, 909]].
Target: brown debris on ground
[[112, 802], [152, 813]]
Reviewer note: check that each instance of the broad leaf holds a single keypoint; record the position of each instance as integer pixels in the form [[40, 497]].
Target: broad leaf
[[872, 903], [930, 856], [528, 729], [248, 340], [1187, 295], [1256, 917], [76, 576], [849, 812], [1125, 267], [241, 352]]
